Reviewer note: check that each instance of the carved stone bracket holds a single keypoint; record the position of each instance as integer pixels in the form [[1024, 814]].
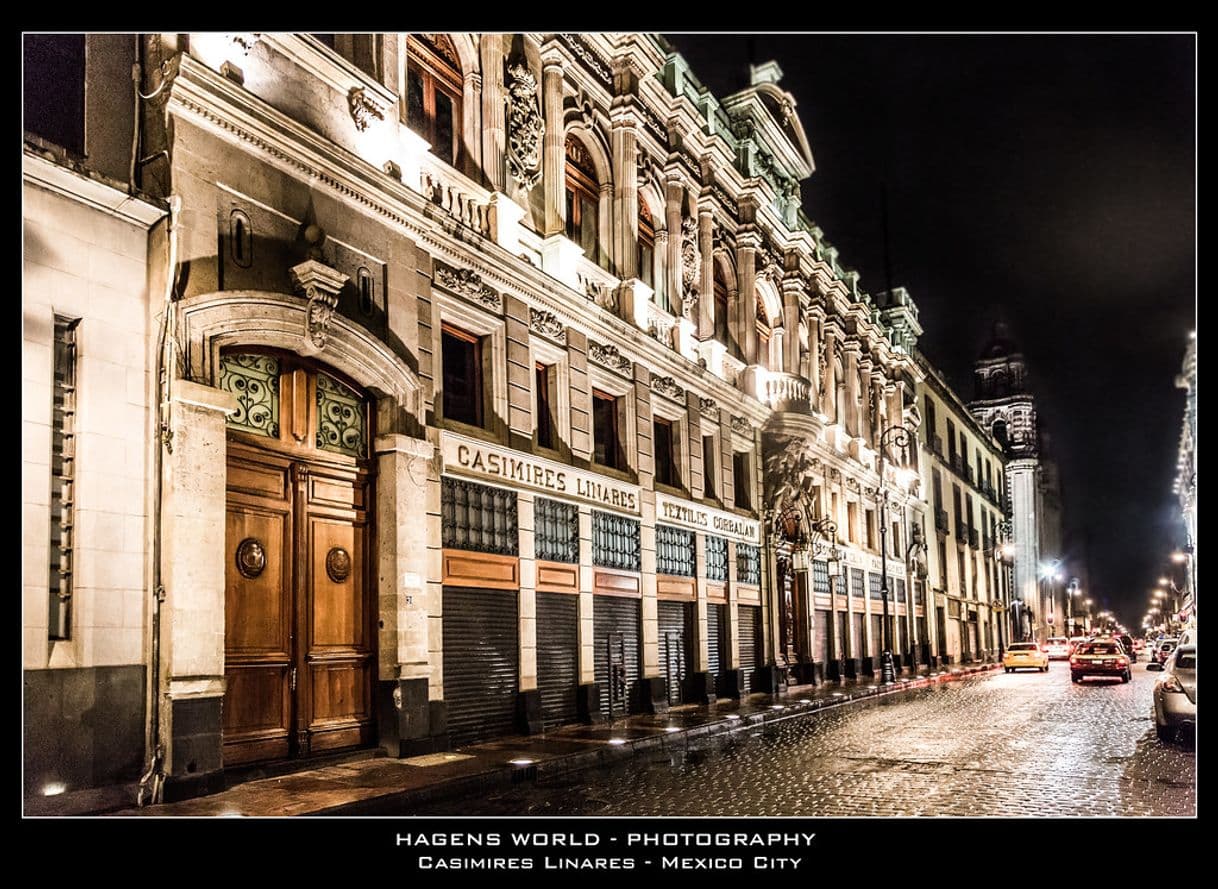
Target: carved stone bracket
[[468, 283], [363, 110], [320, 284], [709, 408], [669, 387], [609, 356], [525, 127], [742, 426], [546, 323]]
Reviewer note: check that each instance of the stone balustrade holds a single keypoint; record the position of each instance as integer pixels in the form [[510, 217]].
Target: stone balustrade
[[455, 194], [788, 392]]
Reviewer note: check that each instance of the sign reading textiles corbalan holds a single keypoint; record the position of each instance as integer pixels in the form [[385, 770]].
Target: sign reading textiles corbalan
[[497, 464], [685, 514]]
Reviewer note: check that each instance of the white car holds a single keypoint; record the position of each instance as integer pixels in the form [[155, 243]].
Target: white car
[[1058, 648]]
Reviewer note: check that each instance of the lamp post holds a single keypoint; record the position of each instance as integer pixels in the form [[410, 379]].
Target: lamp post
[[1087, 627], [1073, 591], [899, 437], [1004, 555]]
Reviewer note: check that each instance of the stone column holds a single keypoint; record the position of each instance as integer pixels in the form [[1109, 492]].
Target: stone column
[[746, 300], [879, 417], [529, 705], [865, 429], [402, 570], [706, 278], [790, 321], [493, 122], [193, 563], [471, 98], [828, 389], [674, 193], [625, 211], [553, 163], [851, 349]]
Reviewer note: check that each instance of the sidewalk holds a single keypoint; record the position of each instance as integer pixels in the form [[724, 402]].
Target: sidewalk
[[359, 786]]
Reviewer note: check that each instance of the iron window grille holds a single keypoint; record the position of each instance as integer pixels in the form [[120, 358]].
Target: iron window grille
[[873, 586], [748, 563], [63, 478], [675, 552], [479, 518], [857, 583], [556, 530], [900, 590], [716, 558], [616, 542], [820, 578]]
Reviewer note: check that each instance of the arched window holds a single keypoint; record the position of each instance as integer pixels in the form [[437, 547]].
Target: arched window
[[1000, 433], [583, 200], [646, 253], [433, 93]]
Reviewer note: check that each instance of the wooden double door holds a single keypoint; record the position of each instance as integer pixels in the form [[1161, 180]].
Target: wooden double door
[[299, 616]]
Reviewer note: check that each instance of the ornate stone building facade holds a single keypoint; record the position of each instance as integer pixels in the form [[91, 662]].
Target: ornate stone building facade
[[1185, 486], [476, 383], [964, 471]]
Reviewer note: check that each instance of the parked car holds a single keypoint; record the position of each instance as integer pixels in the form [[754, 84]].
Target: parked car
[[1100, 658], [1175, 695], [1025, 656], [1163, 650], [1139, 644], [1058, 648], [1127, 643]]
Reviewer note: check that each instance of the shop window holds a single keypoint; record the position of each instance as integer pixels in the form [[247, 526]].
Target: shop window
[[556, 530], [716, 558], [675, 553], [616, 541], [478, 517], [748, 563]]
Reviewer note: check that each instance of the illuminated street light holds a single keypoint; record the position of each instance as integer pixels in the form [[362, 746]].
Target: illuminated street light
[[1179, 557]]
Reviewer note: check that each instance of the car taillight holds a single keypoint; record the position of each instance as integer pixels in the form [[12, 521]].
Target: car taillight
[[1172, 683], [1074, 660], [1122, 662]]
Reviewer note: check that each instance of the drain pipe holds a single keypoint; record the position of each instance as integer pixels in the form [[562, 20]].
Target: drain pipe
[[152, 782]]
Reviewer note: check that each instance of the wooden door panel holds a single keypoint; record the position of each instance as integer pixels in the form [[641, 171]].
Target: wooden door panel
[[257, 609], [340, 701], [336, 579]]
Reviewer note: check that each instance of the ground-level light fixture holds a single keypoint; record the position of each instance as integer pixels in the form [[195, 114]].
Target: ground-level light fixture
[[1178, 557], [521, 761], [617, 742]]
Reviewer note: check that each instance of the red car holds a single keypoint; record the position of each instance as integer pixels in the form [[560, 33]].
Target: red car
[[1101, 658]]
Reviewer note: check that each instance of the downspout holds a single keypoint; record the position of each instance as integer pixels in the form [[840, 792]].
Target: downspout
[[152, 781]]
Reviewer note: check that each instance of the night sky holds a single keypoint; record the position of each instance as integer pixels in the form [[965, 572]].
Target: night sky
[[1047, 181]]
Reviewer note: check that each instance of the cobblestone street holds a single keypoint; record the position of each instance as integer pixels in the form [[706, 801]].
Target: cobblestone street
[[1025, 744]]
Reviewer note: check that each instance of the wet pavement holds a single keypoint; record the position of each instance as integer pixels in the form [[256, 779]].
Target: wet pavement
[[1024, 744]]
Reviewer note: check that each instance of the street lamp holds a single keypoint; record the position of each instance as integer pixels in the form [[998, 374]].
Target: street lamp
[[1004, 554], [897, 436]]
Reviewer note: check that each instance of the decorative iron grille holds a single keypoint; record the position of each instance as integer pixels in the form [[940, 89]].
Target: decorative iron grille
[[820, 578], [615, 542], [857, 585], [254, 380], [900, 590], [477, 517], [918, 594], [748, 563], [556, 530], [341, 418], [63, 478], [716, 558], [675, 551], [873, 585]]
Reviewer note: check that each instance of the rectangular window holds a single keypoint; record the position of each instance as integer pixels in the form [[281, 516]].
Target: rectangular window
[[961, 532], [662, 441], [556, 530], [748, 563], [951, 442], [716, 558], [857, 583], [942, 563], [607, 448], [872, 543], [461, 354], [675, 553], [896, 539], [53, 87], [615, 541], [852, 521], [875, 586], [478, 517], [63, 477], [963, 588], [743, 480], [709, 474], [545, 382]]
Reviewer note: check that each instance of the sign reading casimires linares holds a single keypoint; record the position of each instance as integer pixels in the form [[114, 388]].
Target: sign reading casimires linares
[[870, 562], [497, 464], [685, 514]]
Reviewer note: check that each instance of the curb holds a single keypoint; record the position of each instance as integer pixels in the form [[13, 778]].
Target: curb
[[505, 776]]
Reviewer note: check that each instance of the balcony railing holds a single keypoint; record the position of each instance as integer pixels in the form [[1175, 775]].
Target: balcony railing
[[597, 284], [788, 392], [457, 195]]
